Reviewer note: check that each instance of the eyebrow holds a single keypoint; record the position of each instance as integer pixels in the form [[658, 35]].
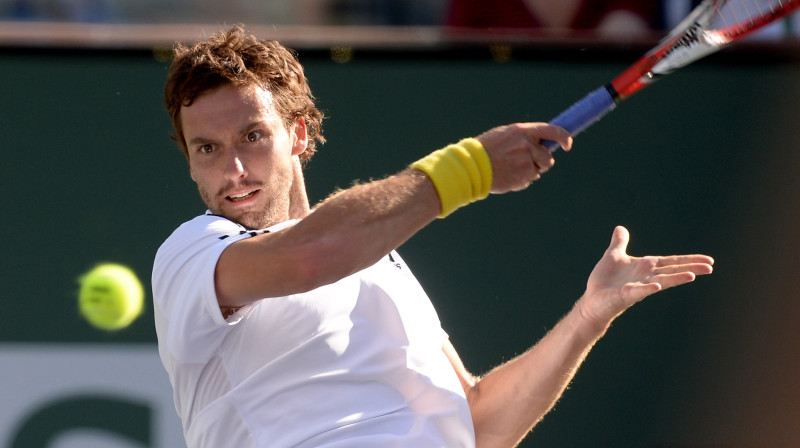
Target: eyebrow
[[199, 140], [205, 140]]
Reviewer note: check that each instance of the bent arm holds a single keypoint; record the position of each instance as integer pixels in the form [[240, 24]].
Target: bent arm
[[508, 402]]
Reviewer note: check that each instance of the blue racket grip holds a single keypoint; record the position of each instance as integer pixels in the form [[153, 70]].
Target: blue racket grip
[[583, 114]]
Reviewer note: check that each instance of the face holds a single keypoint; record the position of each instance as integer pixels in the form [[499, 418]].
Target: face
[[240, 154]]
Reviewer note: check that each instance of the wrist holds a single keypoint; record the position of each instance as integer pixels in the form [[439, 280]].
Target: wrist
[[590, 325], [460, 172]]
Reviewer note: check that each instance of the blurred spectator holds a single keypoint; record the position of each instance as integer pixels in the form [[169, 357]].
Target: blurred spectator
[[611, 17], [370, 12], [274, 12], [20, 10], [58, 10], [90, 11]]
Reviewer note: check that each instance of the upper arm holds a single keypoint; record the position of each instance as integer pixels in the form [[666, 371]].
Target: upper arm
[[263, 266], [291, 261]]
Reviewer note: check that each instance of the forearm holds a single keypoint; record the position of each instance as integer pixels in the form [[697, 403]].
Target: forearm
[[347, 232], [508, 401], [353, 228], [386, 213], [357, 226]]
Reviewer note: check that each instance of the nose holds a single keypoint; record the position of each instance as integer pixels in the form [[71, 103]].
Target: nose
[[234, 165]]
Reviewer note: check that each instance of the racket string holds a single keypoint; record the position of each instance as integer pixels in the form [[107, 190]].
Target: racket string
[[747, 13]]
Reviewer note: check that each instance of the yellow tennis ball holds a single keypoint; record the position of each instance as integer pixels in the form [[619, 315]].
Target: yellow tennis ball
[[111, 296]]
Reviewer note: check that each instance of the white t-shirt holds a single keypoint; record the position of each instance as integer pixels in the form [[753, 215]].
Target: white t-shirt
[[358, 363]]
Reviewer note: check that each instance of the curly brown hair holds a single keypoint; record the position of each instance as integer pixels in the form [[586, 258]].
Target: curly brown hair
[[241, 59]]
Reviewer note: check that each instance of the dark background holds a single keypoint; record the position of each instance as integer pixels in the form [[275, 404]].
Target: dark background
[[706, 161]]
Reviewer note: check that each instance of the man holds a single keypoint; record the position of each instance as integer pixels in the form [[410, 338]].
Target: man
[[283, 327]]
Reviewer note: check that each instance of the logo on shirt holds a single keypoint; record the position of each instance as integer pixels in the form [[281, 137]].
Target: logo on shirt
[[245, 232], [396, 264]]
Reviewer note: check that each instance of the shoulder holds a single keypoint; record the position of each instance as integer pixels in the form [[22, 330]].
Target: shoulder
[[206, 231], [209, 228], [206, 226], [199, 236]]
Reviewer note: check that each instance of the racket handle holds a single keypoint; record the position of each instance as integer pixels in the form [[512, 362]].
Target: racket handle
[[583, 114]]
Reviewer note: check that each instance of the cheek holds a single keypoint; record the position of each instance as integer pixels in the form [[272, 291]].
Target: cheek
[[200, 168], [200, 177]]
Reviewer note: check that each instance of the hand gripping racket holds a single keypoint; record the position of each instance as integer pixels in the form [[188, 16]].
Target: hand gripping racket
[[711, 26]]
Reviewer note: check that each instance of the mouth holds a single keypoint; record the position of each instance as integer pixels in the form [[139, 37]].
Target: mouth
[[241, 197]]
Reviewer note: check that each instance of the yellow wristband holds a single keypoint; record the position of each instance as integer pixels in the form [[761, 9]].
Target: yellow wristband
[[461, 173]]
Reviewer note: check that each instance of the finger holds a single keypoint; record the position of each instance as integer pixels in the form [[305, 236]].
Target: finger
[[546, 131], [566, 145], [685, 259], [670, 280], [619, 239], [656, 283], [542, 159], [633, 292], [695, 268]]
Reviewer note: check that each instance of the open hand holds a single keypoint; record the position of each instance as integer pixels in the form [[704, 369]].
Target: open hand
[[619, 280]]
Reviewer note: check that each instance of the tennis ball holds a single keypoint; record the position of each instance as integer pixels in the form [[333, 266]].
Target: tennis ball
[[110, 297]]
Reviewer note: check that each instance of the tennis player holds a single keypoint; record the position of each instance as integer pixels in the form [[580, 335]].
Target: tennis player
[[280, 326]]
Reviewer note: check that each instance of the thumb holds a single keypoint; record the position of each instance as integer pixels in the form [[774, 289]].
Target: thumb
[[619, 240]]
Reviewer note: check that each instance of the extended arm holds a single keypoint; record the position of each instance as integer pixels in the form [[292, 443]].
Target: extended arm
[[354, 228], [508, 401]]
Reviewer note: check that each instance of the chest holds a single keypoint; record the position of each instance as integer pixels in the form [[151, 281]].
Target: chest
[[377, 314]]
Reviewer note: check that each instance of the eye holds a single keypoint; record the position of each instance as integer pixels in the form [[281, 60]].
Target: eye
[[206, 149], [253, 136]]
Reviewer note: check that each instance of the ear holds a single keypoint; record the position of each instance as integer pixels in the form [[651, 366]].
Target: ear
[[299, 136], [189, 166], [191, 171]]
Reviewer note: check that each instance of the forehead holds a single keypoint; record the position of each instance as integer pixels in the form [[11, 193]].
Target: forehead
[[229, 104]]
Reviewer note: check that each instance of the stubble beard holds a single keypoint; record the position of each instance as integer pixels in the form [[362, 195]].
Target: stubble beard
[[275, 209]]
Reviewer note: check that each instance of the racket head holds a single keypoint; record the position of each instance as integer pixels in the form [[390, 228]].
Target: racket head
[[711, 26], [736, 19]]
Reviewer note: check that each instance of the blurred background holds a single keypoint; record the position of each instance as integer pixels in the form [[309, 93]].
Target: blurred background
[[705, 161]]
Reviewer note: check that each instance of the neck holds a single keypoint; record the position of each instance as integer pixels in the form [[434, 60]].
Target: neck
[[298, 199]]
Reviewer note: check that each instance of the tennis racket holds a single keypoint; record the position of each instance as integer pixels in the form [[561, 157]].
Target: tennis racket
[[711, 26]]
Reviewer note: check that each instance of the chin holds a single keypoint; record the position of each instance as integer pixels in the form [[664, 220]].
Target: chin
[[255, 220], [253, 217]]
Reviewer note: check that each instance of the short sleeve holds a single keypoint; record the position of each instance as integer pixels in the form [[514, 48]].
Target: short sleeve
[[184, 296]]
